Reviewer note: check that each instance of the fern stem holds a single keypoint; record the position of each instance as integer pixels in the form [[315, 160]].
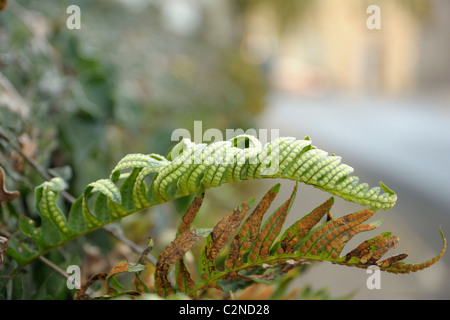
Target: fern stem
[[216, 276], [117, 233], [54, 267], [134, 247]]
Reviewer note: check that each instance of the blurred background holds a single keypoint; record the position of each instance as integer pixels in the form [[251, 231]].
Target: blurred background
[[76, 101]]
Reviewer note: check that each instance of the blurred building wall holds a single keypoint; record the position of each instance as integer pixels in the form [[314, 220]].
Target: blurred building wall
[[329, 47], [434, 59]]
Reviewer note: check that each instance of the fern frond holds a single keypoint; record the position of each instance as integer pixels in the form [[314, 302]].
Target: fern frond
[[286, 158], [140, 181], [255, 255]]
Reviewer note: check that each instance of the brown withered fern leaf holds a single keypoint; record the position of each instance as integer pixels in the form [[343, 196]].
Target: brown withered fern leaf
[[258, 252]]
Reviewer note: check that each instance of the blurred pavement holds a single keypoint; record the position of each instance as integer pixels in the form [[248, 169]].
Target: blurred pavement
[[406, 144]]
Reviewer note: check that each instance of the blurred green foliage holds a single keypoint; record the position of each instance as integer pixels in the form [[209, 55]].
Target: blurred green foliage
[[76, 101]]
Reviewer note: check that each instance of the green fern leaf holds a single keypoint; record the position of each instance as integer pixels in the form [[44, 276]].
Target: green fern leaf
[[287, 158], [139, 181]]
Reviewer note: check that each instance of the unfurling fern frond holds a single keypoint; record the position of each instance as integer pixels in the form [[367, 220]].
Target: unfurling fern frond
[[287, 158], [259, 252], [139, 181]]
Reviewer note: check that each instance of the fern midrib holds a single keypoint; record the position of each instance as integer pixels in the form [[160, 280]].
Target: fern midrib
[[75, 236], [216, 276]]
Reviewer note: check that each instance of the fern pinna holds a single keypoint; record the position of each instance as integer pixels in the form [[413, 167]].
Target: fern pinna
[[140, 181]]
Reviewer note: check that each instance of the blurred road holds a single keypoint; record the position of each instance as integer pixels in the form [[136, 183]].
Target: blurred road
[[406, 144]]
